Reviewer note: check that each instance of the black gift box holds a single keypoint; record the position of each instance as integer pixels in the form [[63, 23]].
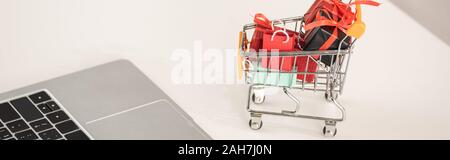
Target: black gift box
[[316, 37]]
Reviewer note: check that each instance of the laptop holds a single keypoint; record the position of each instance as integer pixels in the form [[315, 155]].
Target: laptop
[[113, 101]]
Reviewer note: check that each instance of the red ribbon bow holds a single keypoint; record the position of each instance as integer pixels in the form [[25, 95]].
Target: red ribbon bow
[[262, 21], [340, 11]]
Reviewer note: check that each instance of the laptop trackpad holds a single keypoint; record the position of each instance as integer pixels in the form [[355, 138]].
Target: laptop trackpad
[[156, 120]]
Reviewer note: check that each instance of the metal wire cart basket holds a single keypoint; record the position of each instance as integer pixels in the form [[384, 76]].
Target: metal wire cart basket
[[326, 78]]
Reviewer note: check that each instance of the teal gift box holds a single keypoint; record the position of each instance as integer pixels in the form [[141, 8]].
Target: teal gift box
[[266, 76]]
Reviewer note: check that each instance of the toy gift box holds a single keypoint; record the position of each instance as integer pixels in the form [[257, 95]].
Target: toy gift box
[[325, 25], [270, 77], [274, 43], [319, 36], [272, 40], [268, 39]]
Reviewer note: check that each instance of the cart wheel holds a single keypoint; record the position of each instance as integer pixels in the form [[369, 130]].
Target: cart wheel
[[255, 123], [329, 130], [258, 99]]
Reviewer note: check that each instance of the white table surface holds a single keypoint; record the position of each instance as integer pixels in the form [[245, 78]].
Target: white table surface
[[397, 86]]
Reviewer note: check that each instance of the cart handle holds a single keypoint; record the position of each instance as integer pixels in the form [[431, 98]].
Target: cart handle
[[239, 56]]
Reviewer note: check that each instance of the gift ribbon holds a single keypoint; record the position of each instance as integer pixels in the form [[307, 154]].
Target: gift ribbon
[[346, 19], [343, 24], [342, 7], [366, 2], [339, 10], [262, 21], [335, 7]]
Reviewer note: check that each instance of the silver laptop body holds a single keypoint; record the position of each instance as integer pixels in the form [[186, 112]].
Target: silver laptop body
[[110, 101]]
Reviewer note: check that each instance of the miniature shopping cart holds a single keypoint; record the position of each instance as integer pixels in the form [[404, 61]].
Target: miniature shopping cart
[[327, 78]]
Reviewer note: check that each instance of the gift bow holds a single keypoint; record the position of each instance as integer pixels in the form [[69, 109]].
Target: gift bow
[[347, 16], [262, 21]]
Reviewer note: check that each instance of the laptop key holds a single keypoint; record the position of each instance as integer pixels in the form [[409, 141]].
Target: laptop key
[[40, 97], [4, 134], [57, 117], [50, 135], [17, 126], [66, 127], [77, 135], [27, 135], [41, 125], [7, 113], [52, 106], [27, 109], [44, 108]]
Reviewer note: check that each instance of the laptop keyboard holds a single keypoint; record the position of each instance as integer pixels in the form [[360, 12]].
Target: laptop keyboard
[[37, 117]]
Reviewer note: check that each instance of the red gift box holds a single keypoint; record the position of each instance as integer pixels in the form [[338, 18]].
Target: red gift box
[[306, 64], [262, 39], [269, 38], [281, 42], [263, 25]]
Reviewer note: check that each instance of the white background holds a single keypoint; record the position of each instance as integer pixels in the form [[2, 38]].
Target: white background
[[397, 86]]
